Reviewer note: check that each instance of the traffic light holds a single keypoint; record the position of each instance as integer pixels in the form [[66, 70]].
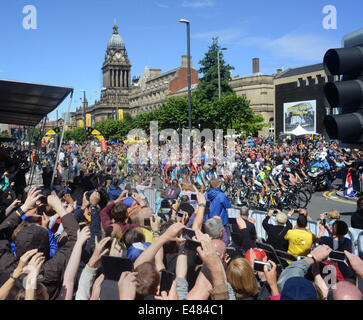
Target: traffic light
[[347, 93]]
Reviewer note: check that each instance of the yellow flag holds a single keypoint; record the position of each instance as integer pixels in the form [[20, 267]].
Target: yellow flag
[[120, 114], [96, 132], [88, 120], [50, 133], [80, 123]]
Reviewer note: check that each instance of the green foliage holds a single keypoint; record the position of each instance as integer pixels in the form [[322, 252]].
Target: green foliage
[[228, 112], [208, 87], [208, 111], [4, 134]]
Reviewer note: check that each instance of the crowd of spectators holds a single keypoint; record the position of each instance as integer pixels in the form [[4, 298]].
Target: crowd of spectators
[[95, 240]]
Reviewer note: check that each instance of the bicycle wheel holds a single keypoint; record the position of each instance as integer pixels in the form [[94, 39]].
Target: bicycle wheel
[[292, 202], [252, 200], [303, 199]]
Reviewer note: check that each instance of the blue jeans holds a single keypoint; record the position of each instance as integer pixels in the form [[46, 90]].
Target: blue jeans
[[328, 183]]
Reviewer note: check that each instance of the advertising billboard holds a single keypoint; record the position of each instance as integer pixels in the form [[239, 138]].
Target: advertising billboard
[[302, 113]]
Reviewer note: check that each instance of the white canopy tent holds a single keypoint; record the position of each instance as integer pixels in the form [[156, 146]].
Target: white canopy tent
[[300, 131]]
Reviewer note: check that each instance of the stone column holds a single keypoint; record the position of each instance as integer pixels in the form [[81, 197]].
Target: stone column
[[114, 78], [110, 77]]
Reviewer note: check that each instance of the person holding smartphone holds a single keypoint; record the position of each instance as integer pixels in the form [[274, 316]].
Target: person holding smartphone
[[276, 233], [338, 242]]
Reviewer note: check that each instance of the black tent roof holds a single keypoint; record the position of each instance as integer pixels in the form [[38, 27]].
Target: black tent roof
[[27, 104]]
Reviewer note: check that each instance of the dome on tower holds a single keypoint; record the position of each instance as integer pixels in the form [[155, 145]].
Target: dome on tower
[[116, 42]]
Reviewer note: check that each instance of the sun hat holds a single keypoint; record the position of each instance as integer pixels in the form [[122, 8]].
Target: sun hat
[[298, 288], [281, 218]]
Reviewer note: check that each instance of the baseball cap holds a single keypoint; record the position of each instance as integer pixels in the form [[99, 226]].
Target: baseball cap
[[136, 249], [298, 288], [128, 201]]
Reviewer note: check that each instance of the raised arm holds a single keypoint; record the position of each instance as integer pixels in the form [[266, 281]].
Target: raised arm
[[199, 218], [73, 264], [169, 235]]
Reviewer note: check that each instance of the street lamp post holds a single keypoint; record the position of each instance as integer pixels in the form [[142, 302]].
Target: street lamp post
[[219, 73], [189, 85], [84, 115]]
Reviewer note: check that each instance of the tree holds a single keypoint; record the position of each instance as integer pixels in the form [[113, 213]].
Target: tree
[[235, 113], [207, 89], [4, 134]]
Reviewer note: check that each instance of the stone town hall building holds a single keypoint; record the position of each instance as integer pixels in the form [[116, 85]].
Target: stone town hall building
[[145, 93]]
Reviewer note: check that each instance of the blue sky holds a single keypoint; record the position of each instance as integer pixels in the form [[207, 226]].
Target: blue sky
[[68, 46]]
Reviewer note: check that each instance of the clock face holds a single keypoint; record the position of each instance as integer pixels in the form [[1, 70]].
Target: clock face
[[118, 55]]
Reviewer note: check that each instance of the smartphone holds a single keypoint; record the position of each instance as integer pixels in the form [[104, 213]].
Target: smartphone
[[180, 214], [275, 212], [188, 233], [193, 196], [166, 281], [259, 265], [114, 266], [337, 256], [147, 222], [296, 211], [44, 200], [19, 197], [191, 245]]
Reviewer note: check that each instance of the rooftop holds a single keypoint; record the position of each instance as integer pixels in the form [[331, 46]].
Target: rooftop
[[301, 70]]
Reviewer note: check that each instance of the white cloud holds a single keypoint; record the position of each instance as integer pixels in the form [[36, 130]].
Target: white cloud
[[162, 5], [307, 47], [224, 36], [301, 47], [198, 4]]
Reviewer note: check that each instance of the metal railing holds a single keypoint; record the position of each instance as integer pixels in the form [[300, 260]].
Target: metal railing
[[355, 235]]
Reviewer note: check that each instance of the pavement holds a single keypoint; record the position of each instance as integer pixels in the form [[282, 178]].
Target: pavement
[[330, 200]]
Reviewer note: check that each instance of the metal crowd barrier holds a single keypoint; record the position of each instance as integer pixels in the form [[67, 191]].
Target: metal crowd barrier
[[360, 243], [152, 195], [355, 235]]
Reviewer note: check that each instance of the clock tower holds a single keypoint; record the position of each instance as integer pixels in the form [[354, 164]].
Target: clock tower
[[116, 71]]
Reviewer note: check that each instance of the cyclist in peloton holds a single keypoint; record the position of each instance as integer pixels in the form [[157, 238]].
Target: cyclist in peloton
[[202, 178], [261, 182], [243, 173], [295, 171]]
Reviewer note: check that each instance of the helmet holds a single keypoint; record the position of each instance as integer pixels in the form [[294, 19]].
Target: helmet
[[288, 169], [266, 168], [248, 160]]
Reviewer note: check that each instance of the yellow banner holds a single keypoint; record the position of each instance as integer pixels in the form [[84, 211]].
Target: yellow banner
[[66, 127], [50, 133], [96, 132], [80, 123], [120, 114], [88, 120]]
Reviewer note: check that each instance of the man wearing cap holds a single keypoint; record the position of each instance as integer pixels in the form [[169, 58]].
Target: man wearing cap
[[276, 233]]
